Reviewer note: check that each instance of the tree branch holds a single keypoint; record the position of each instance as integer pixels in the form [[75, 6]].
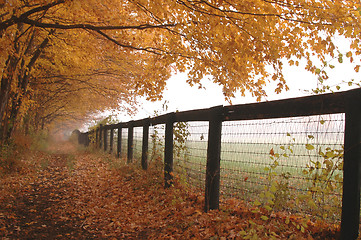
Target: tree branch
[[14, 20], [92, 27]]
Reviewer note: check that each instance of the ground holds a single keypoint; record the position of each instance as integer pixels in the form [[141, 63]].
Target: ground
[[67, 193]]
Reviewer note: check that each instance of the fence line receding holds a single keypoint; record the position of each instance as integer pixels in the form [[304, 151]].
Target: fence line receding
[[300, 154]]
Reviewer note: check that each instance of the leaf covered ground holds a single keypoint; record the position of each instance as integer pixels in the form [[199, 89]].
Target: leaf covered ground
[[70, 194]]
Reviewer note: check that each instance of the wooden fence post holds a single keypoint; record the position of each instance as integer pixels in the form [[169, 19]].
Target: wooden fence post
[[119, 142], [350, 217], [105, 139], [96, 137], [130, 142], [213, 159], [168, 151], [111, 139], [145, 144], [100, 136], [87, 138]]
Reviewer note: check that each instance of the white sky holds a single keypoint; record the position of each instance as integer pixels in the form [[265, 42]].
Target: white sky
[[180, 96]]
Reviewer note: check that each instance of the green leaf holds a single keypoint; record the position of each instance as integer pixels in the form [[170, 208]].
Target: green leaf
[[340, 58], [318, 71], [257, 203], [268, 208], [309, 147], [270, 195], [273, 188], [330, 154], [318, 165], [251, 222], [265, 218]]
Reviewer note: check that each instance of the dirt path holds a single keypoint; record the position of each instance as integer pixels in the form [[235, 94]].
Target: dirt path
[[79, 195], [37, 211]]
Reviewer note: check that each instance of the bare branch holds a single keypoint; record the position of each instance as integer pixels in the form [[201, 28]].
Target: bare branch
[[93, 27], [14, 20]]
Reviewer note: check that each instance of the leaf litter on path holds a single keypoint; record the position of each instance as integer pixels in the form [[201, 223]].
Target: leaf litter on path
[[93, 198]]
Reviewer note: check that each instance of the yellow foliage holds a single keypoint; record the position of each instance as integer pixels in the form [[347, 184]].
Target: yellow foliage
[[103, 54]]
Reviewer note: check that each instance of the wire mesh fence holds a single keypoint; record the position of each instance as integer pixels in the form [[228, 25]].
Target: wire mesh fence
[[277, 161], [191, 155], [124, 143], [296, 163], [115, 141], [293, 163], [156, 144], [137, 144]]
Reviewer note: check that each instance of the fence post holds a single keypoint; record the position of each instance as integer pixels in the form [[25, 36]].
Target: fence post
[[96, 137], [100, 136], [90, 137], [105, 139], [119, 142], [168, 151], [87, 138], [111, 139], [145, 144], [213, 159], [350, 217], [130, 142]]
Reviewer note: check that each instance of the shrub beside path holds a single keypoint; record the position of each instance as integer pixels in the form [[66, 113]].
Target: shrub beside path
[[67, 193]]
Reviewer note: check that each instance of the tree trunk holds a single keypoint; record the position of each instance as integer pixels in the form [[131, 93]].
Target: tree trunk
[[23, 84], [6, 81]]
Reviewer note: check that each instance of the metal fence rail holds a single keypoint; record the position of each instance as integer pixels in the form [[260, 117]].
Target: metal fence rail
[[258, 122]]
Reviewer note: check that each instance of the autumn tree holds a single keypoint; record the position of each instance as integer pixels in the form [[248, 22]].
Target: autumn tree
[[63, 54]]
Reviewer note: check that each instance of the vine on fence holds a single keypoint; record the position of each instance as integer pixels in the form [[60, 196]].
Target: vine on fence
[[180, 137], [323, 186], [324, 183], [277, 195], [181, 134], [157, 146]]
